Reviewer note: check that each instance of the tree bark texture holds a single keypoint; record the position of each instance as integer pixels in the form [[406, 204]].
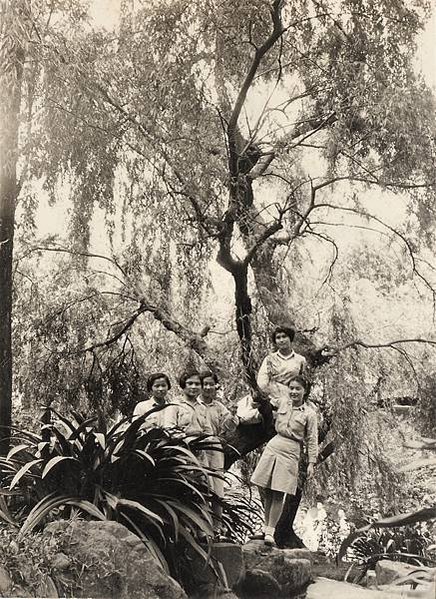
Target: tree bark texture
[[11, 74]]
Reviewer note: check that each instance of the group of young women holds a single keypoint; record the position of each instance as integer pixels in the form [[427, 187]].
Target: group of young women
[[198, 411]]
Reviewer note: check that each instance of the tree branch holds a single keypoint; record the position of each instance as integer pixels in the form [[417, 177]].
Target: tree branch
[[370, 216], [388, 344], [113, 261], [259, 53]]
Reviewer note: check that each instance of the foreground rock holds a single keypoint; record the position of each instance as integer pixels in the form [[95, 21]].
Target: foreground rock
[[274, 572], [225, 571], [387, 571], [104, 559], [324, 567], [323, 588]]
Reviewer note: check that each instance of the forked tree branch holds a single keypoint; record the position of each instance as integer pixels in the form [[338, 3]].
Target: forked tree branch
[[259, 53]]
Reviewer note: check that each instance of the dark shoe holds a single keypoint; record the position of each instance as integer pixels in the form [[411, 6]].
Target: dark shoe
[[293, 543]]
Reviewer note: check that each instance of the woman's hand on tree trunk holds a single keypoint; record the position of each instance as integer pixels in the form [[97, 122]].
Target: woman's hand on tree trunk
[[310, 470]]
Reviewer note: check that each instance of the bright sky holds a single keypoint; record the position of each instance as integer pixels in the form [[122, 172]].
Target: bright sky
[[426, 59], [106, 12]]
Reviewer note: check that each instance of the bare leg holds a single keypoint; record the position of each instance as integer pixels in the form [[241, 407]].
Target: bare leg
[[268, 496], [275, 509], [272, 515]]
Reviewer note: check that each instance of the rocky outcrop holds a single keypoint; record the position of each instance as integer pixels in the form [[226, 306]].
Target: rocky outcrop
[[388, 571], [231, 558], [224, 571], [326, 567], [274, 572], [104, 559]]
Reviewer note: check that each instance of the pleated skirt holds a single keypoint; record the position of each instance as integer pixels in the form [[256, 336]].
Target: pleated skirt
[[277, 468]]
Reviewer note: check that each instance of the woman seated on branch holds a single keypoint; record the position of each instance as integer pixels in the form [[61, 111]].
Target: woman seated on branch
[[280, 366], [275, 372], [277, 470]]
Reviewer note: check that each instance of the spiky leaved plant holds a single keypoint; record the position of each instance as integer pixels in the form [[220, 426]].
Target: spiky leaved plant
[[149, 480]]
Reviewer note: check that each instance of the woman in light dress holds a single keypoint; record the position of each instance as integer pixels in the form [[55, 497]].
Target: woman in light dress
[[221, 420], [280, 366], [276, 473], [192, 416]]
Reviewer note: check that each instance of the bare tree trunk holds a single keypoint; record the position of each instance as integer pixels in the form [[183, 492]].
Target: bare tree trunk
[[243, 321], [11, 74]]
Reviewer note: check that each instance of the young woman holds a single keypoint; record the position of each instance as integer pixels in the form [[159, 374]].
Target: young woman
[[220, 420], [277, 470], [192, 417], [280, 366], [220, 417], [158, 384]]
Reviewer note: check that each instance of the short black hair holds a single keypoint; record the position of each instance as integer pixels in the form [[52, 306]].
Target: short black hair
[[289, 331], [154, 377], [209, 374], [187, 375]]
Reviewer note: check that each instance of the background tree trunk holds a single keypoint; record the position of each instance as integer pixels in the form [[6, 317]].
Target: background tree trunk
[[11, 73]]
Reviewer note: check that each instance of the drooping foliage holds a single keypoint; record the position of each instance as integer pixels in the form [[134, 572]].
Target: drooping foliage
[[258, 133]]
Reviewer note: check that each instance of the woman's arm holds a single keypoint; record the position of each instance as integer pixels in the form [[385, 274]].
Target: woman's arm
[[312, 437], [263, 379]]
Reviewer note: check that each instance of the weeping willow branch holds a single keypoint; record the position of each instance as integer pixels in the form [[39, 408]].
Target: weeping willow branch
[[112, 260], [389, 344], [192, 339]]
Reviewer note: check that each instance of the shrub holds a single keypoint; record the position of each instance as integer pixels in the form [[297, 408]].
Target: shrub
[[409, 545], [151, 481], [29, 562], [369, 544]]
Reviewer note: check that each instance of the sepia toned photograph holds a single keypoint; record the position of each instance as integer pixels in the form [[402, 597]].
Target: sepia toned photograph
[[218, 299]]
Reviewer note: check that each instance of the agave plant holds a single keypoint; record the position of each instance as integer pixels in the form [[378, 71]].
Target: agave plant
[[149, 480]]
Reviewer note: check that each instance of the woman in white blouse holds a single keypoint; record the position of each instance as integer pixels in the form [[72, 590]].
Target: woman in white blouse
[[280, 366]]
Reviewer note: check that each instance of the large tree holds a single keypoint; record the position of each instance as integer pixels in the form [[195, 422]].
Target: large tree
[[243, 132], [240, 129]]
